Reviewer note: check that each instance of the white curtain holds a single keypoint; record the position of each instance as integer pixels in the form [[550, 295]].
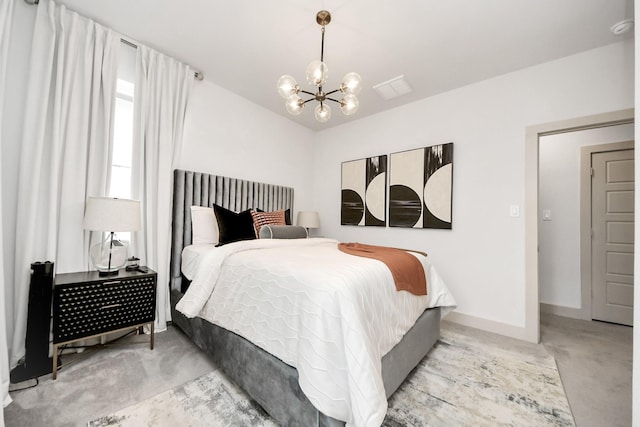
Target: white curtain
[[163, 86], [65, 147], [6, 13]]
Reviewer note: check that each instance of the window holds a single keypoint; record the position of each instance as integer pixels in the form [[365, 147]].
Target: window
[[122, 147], [120, 185]]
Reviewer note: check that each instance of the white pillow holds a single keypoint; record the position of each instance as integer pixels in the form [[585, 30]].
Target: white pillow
[[204, 227]]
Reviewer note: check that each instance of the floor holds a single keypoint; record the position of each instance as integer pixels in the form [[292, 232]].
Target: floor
[[594, 360]]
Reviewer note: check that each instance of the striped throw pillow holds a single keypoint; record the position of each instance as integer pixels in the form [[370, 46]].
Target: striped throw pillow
[[267, 218]]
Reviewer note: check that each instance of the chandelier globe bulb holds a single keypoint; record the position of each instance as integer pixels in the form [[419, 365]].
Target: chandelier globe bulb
[[349, 104], [323, 112], [287, 86], [294, 104], [317, 73], [351, 83]]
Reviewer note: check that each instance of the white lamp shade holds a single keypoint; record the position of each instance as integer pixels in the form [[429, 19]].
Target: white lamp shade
[[110, 214], [308, 219]]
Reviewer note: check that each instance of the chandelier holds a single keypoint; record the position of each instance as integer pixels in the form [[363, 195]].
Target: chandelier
[[317, 72]]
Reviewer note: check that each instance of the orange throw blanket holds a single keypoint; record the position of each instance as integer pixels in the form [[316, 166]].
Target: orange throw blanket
[[406, 269]]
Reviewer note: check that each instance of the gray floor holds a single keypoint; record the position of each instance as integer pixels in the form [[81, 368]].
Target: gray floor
[[594, 360]]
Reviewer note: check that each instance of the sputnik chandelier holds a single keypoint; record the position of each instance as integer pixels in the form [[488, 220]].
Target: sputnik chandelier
[[317, 72]]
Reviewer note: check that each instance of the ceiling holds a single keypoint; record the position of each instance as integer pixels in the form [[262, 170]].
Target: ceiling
[[244, 46]]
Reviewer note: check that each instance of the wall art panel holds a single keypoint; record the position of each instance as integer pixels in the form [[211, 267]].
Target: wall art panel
[[420, 187], [364, 196]]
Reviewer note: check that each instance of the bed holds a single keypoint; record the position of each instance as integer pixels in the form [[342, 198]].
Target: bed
[[275, 385]]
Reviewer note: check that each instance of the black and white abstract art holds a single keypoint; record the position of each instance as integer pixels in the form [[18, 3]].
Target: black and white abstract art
[[420, 187], [364, 195]]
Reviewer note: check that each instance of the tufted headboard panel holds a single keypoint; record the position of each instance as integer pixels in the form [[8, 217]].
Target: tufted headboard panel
[[202, 189]]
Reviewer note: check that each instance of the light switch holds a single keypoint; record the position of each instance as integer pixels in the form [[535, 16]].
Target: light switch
[[546, 215], [514, 211]]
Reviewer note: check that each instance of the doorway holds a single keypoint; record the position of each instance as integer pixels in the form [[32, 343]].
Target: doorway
[[533, 134], [565, 222]]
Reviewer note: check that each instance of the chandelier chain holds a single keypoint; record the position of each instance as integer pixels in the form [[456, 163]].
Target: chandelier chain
[[321, 57], [322, 46]]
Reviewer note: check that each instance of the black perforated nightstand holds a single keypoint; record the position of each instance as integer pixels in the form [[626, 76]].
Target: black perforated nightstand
[[86, 305]]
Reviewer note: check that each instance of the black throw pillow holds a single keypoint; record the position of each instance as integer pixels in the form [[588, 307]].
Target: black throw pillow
[[232, 226]]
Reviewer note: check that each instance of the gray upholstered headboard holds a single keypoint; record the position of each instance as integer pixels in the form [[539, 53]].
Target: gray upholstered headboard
[[202, 189]]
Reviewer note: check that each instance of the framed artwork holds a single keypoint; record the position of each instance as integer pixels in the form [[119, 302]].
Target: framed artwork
[[420, 187], [364, 195]]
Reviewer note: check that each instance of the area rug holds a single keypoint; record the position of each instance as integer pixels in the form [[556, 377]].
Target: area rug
[[461, 382]]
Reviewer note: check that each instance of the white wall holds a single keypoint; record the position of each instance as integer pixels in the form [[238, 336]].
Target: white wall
[[559, 192], [230, 136], [482, 258]]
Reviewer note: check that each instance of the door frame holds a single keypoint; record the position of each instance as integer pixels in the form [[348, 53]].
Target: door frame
[[585, 218], [531, 172]]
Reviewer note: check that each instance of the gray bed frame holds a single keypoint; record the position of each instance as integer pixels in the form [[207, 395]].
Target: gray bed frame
[[269, 381]]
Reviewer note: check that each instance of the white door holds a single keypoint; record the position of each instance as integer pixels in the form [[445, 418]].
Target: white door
[[612, 216]]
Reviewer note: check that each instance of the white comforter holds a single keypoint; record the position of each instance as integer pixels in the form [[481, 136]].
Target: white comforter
[[330, 315]]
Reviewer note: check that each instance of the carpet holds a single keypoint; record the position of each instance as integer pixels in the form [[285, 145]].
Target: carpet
[[461, 382]]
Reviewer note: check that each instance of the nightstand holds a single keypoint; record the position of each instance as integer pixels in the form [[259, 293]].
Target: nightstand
[[86, 305]]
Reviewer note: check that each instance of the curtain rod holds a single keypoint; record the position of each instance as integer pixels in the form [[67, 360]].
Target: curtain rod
[[198, 75]]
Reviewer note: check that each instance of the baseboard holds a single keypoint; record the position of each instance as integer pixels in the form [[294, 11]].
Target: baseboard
[[561, 310], [488, 325]]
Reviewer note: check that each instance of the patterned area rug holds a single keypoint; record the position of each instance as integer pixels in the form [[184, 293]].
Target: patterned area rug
[[461, 382]]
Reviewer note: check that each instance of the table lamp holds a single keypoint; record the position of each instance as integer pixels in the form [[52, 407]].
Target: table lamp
[[308, 220], [109, 215]]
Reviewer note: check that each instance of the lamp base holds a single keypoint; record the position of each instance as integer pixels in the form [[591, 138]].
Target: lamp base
[[104, 273], [108, 256]]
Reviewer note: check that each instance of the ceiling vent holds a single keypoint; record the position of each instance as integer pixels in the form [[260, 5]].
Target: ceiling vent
[[393, 88]]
